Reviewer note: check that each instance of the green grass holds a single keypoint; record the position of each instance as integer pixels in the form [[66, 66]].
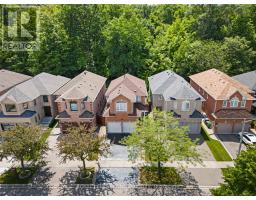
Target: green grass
[[218, 151], [169, 176], [88, 180], [11, 176], [45, 135]]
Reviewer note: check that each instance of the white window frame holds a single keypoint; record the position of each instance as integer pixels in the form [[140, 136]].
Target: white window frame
[[184, 106], [121, 106], [243, 103], [160, 97], [225, 103], [138, 99], [232, 102], [71, 108]]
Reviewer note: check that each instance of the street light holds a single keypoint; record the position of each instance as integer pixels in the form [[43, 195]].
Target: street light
[[241, 136]]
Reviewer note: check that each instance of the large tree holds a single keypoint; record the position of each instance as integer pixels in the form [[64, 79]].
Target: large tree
[[159, 138], [127, 40], [82, 144], [22, 143], [240, 180]]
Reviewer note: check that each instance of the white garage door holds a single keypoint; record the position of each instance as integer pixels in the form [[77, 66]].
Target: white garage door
[[128, 127], [114, 127], [224, 128]]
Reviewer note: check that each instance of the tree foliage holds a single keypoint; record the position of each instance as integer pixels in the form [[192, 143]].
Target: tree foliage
[[82, 144], [140, 39], [159, 138], [240, 180], [22, 143]]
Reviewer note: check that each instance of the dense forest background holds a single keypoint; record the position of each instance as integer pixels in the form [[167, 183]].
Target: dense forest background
[[140, 39]]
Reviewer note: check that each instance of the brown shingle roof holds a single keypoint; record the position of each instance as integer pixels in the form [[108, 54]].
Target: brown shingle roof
[[127, 85], [86, 84], [219, 85], [9, 79]]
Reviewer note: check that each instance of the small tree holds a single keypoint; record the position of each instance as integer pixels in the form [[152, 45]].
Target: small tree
[[22, 143], [81, 143], [240, 180], [159, 138]]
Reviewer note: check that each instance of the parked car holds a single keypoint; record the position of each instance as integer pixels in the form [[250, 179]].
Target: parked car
[[249, 138]]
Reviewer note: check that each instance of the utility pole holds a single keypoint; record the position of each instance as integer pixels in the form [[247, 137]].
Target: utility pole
[[241, 137]]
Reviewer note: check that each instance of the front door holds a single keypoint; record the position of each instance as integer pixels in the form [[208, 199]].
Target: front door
[[47, 111]]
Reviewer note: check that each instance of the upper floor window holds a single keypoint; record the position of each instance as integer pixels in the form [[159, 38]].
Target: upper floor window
[[35, 102], [45, 99], [185, 106], [243, 103], [121, 106], [160, 97], [234, 103], [225, 104], [73, 106], [25, 105], [10, 108], [138, 99]]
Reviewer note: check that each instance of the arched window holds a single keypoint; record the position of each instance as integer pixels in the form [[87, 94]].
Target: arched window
[[185, 106]]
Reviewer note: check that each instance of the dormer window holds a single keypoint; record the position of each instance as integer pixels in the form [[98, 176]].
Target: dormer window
[[234, 103], [243, 102], [185, 106], [138, 99], [25, 105], [73, 106], [121, 106], [225, 104], [10, 108]]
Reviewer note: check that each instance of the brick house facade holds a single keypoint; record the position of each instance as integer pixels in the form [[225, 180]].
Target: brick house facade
[[227, 102]]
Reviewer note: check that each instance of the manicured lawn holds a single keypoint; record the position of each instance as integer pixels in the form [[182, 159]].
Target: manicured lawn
[[11, 176], [149, 175], [218, 151], [45, 135], [87, 180]]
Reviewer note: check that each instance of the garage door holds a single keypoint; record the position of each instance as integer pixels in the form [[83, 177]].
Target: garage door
[[194, 128], [128, 127], [114, 127], [238, 127], [224, 128]]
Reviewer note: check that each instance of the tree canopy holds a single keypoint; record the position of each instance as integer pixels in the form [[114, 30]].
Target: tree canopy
[[159, 138], [240, 180], [140, 39]]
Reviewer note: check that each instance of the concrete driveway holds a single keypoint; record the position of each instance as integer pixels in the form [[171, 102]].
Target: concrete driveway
[[202, 147], [231, 142]]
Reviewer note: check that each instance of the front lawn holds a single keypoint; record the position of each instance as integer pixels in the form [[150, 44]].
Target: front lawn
[[149, 175], [11, 176], [88, 179], [218, 151]]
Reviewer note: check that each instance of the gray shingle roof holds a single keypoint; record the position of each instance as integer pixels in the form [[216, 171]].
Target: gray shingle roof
[[172, 86], [41, 84], [9, 79], [248, 79]]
